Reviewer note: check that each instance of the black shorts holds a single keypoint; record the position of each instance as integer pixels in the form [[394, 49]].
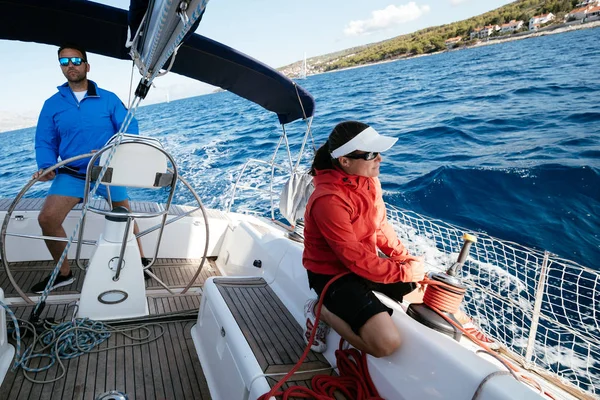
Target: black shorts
[[352, 299]]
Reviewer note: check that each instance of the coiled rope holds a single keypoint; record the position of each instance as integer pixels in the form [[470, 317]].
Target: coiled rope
[[354, 380], [75, 337], [444, 298]]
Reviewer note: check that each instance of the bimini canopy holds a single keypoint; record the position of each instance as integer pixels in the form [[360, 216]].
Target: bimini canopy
[[102, 30]]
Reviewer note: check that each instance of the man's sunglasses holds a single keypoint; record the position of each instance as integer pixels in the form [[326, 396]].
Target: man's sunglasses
[[76, 61], [363, 156]]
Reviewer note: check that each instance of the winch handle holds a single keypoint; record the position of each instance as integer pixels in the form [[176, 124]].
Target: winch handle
[[462, 256]]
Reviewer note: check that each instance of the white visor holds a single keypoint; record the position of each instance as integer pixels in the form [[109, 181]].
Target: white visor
[[368, 140]]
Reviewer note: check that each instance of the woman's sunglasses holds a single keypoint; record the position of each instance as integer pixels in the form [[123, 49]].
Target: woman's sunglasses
[[76, 61], [363, 156]]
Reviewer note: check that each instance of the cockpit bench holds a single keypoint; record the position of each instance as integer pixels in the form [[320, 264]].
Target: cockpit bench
[[244, 326]]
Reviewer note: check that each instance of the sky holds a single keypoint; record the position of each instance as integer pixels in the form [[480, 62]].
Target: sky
[[276, 32]]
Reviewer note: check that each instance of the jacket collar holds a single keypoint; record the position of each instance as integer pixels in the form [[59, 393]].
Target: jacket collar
[[339, 177], [92, 90]]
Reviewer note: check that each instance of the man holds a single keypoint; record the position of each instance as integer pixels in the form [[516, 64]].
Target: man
[[79, 119]]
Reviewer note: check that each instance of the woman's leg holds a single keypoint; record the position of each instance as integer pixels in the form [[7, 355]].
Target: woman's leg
[[352, 309], [378, 337]]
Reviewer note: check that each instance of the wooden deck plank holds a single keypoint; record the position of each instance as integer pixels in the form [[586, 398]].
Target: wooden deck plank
[[274, 334], [173, 368], [279, 334], [119, 363], [161, 373], [248, 329], [111, 365], [178, 276], [164, 359], [146, 368], [138, 375], [80, 378], [187, 380], [169, 275], [264, 343], [38, 391], [58, 312], [58, 387], [292, 330], [29, 387], [101, 370], [90, 376], [129, 369]]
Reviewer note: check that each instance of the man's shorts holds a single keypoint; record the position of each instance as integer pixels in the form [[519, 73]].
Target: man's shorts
[[72, 186], [352, 299]]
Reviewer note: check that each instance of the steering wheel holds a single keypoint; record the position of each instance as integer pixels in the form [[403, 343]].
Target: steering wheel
[[25, 189]]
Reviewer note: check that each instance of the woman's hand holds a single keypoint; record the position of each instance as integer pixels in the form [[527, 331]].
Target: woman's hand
[[417, 268]]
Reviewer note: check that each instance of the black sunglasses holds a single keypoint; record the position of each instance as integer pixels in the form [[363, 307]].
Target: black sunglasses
[[363, 156], [76, 61]]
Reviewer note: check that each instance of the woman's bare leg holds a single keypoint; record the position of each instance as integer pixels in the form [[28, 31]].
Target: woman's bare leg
[[378, 336]]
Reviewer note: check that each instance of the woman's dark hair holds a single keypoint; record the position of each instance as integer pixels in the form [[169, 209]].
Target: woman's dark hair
[[340, 135]]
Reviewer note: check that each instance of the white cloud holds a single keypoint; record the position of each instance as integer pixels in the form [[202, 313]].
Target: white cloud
[[388, 17], [457, 2]]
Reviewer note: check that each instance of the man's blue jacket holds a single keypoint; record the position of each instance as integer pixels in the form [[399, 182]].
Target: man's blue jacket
[[68, 128]]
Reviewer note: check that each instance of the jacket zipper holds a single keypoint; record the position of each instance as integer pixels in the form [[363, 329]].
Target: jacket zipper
[[74, 97]]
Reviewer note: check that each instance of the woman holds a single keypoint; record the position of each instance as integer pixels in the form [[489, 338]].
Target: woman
[[345, 225]]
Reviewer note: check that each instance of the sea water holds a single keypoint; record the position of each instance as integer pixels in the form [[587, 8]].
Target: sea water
[[503, 139]]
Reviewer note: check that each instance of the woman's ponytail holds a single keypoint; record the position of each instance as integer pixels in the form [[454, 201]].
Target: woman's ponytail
[[322, 159]]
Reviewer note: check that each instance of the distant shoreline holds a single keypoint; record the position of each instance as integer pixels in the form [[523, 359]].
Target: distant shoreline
[[491, 41], [13, 125], [559, 29]]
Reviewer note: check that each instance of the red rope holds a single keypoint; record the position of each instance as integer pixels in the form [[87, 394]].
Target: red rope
[[354, 381], [439, 297], [442, 298]]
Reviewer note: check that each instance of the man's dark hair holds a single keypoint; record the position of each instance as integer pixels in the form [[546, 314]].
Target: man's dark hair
[[73, 46]]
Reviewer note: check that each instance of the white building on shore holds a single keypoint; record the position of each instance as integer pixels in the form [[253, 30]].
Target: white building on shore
[[593, 14], [577, 14], [511, 26], [450, 43], [585, 3], [537, 20], [484, 32]]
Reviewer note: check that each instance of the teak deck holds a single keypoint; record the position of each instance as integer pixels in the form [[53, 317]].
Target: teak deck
[[174, 272], [271, 331], [167, 368]]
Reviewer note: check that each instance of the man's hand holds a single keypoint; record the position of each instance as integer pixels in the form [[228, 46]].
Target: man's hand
[[49, 176]]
